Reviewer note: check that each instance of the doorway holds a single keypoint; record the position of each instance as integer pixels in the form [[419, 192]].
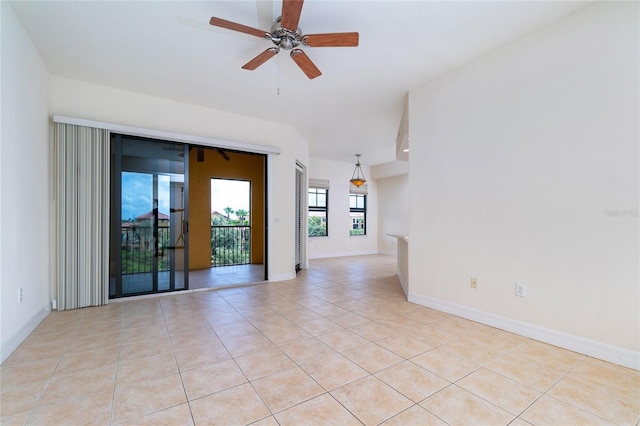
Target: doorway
[[148, 217], [227, 217]]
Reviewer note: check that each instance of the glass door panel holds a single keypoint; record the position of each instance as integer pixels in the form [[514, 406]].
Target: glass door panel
[[149, 208]]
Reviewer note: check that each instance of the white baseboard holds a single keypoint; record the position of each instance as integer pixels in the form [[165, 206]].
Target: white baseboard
[[282, 277], [13, 343], [592, 348], [341, 254], [387, 252], [403, 283]]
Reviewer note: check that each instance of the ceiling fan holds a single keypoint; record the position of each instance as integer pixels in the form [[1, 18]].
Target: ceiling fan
[[286, 35]]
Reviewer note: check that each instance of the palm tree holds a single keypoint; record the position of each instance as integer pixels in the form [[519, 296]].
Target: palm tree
[[228, 211], [242, 214]]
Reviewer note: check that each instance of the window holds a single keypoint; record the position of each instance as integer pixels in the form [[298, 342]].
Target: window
[[358, 214], [318, 206]]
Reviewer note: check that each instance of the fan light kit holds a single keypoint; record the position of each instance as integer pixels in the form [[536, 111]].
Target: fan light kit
[[285, 34]]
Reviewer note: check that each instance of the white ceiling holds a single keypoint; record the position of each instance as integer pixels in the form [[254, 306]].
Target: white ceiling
[[168, 49]]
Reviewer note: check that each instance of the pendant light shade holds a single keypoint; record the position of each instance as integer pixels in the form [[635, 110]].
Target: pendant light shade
[[358, 179]]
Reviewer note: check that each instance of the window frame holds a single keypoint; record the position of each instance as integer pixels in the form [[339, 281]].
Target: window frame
[[362, 210], [317, 208]]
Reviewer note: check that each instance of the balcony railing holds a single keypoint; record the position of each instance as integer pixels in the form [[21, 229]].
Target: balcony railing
[[230, 245], [138, 249]]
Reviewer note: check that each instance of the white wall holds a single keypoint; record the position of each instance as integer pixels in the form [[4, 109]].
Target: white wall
[[517, 160], [339, 242], [25, 194], [89, 101], [393, 211]]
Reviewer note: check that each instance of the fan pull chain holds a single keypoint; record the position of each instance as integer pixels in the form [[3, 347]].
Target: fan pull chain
[[278, 91]]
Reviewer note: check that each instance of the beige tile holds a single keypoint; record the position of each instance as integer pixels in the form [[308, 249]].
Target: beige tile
[[371, 400], [373, 331], [131, 402], [247, 344], [91, 343], [550, 411], [432, 334], [100, 328], [535, 376], [194, 337], [222, 408], [322, 410], [212, 378], [191, 357], [456, 406], [235, 330], [343, 340], [49, 337], [148, 368], [412, 381], [27, 372], [282, 334], [334, 371], [404, 345], [476, 352], [265, 363], [319, 326], [301, 315], [63, 388], [305, 349], [15, 420], [495, 339], [444, 364], [547, 355], [19, 399], [372, 357], [348, 319], [415, 415], [178, 415], [286, 389], [145, 348], [267, 421], [608, 399], [82, 361], [500, 391], [143, 333], [31, 353], [92, 410]]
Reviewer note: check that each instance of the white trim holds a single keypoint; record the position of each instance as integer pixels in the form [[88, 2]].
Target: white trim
[[286, 276], [387, 252], [13, 343], [170, 136], [403, 283], [603, 351], [342, 253]]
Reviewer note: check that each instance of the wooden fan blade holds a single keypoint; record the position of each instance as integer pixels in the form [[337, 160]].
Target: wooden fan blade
[[291, 10], [305, 64], [261, 59], [331, 40], [234, 26]]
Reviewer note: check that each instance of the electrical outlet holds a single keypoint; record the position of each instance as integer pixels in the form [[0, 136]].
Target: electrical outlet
[[474, 282], [521, 290], [20, 294]]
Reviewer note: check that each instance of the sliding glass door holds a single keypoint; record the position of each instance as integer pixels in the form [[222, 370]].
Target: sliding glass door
[[149, 223]]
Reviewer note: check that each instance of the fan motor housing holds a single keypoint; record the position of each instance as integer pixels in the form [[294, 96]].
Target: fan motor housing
[[285, 38]]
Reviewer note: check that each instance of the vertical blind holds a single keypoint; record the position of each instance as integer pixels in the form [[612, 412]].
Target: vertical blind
[[298, 219], [82, 200]]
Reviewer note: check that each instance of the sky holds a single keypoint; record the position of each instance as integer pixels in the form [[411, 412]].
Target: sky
[[230, 193], [137, 194]]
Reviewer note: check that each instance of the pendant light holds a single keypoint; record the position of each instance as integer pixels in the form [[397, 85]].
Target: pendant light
[[358, 179]]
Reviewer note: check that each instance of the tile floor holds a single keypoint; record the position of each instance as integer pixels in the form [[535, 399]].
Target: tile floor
[[339, 345]]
